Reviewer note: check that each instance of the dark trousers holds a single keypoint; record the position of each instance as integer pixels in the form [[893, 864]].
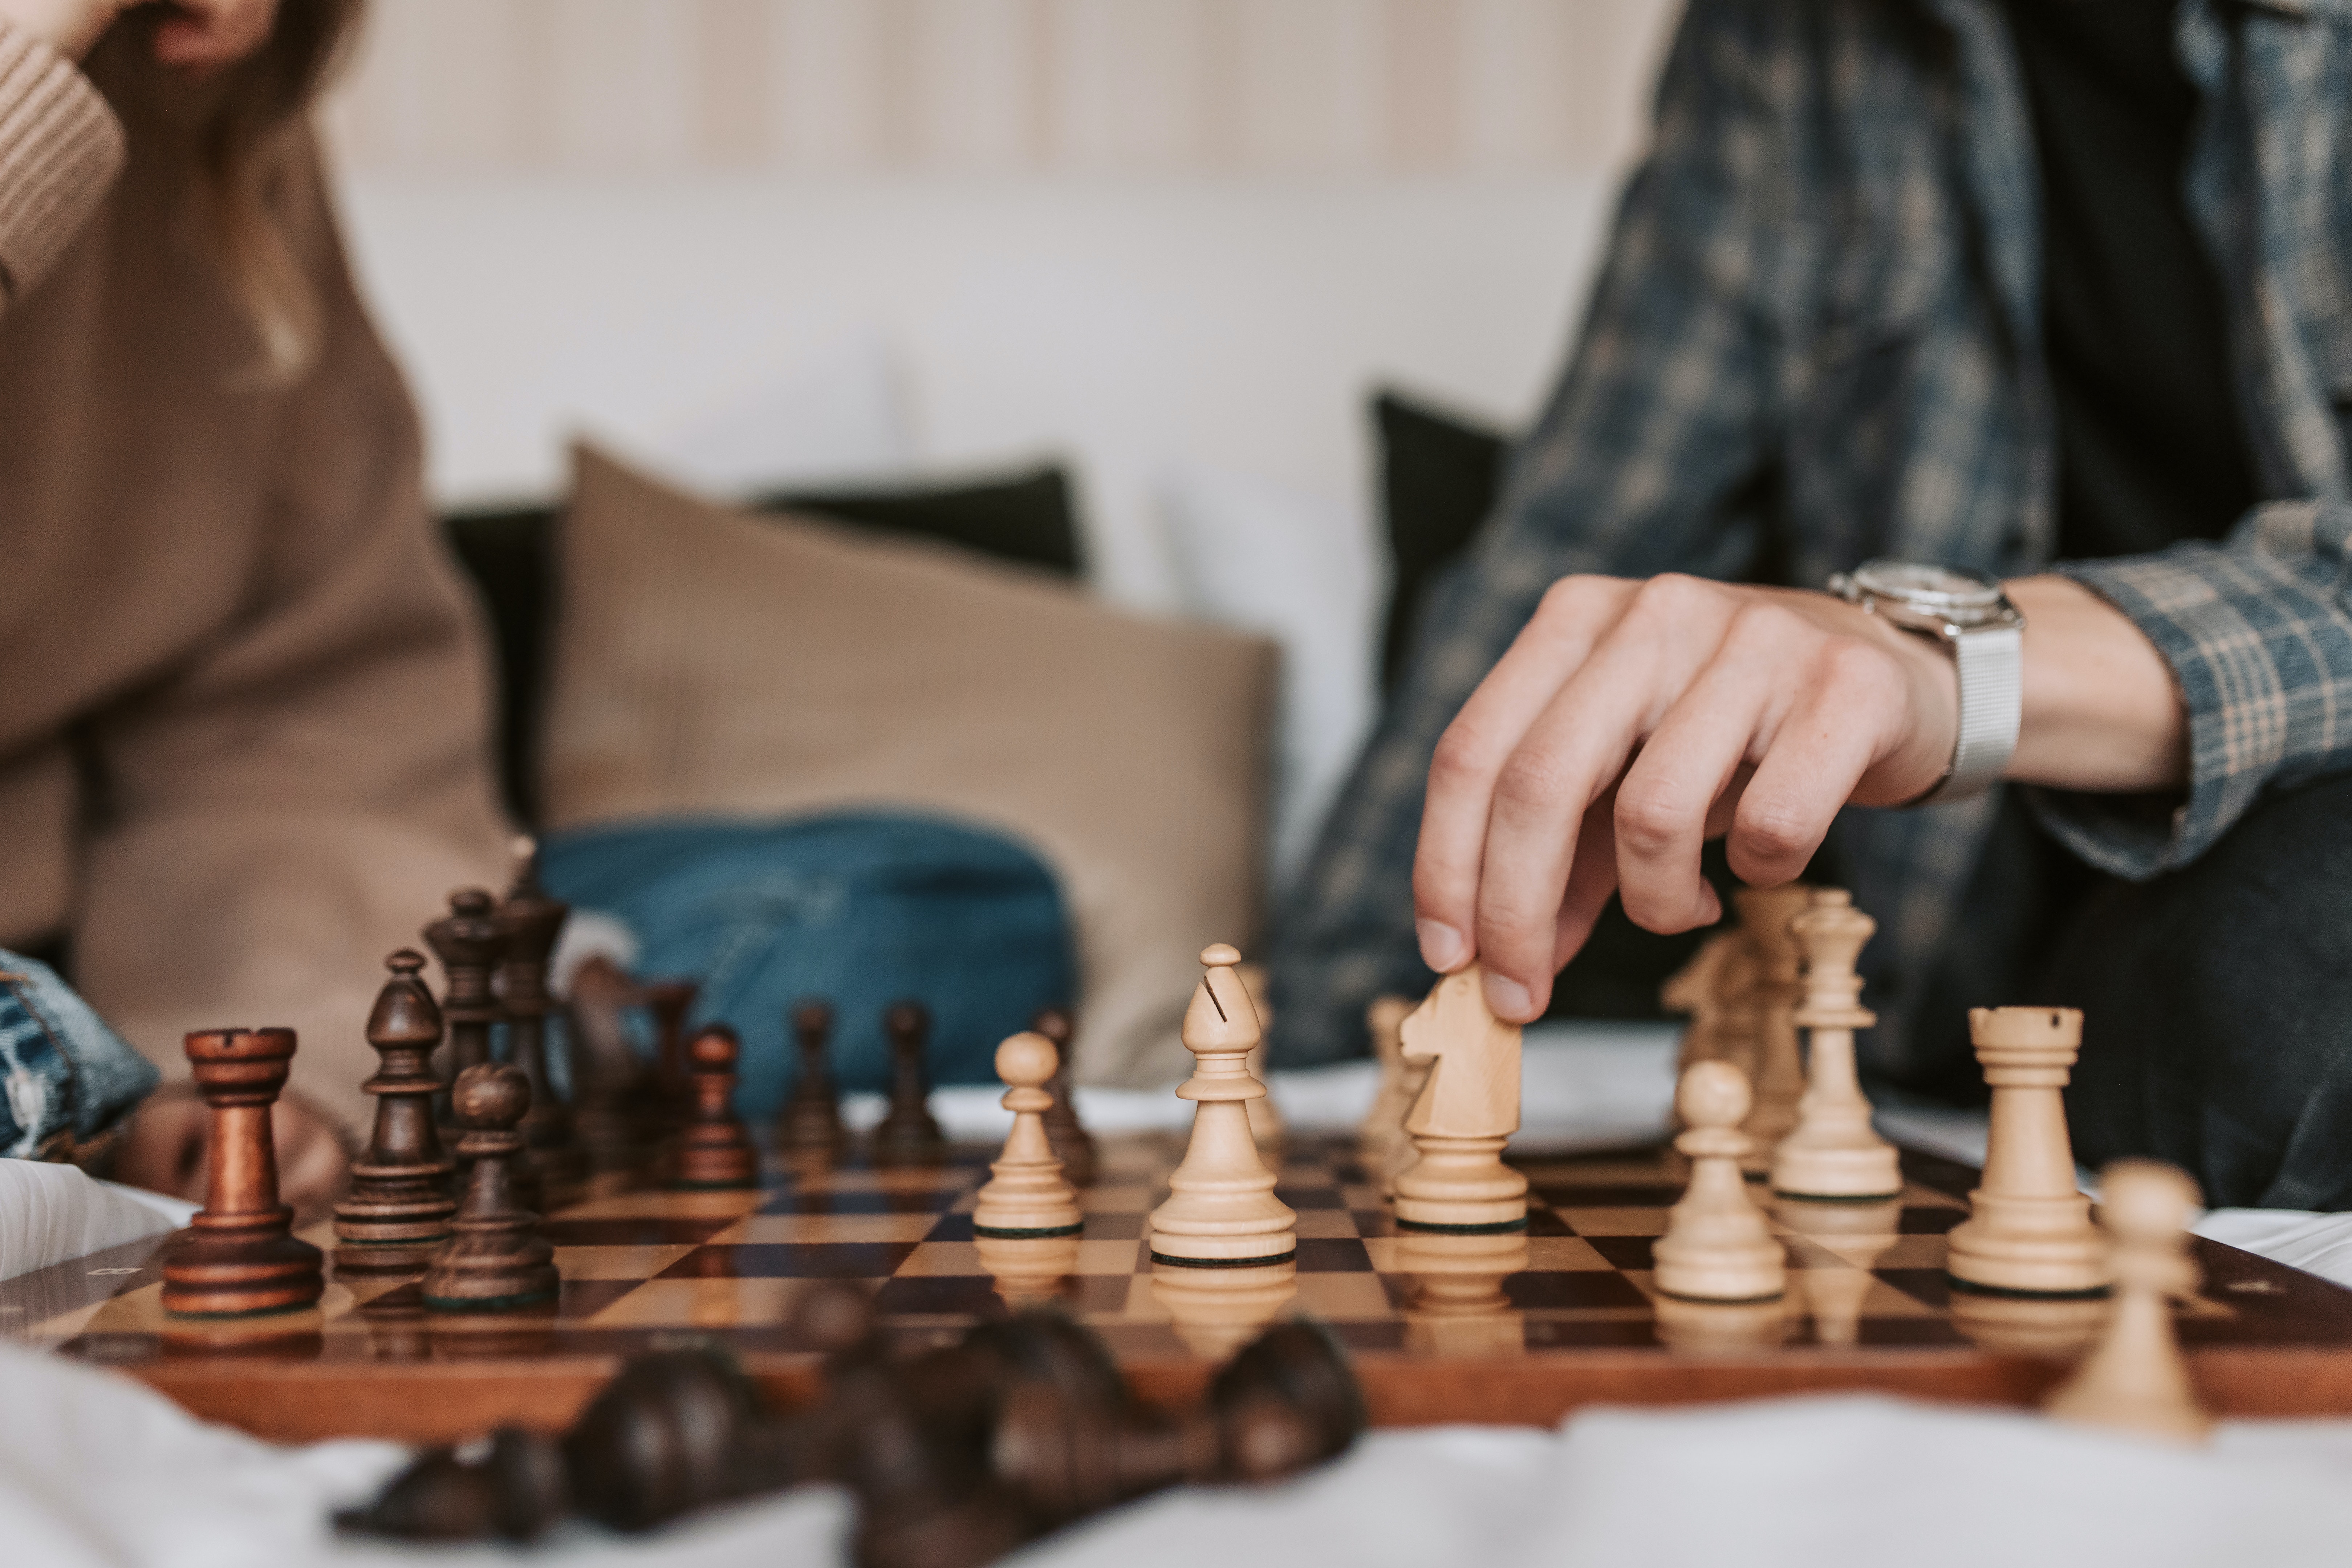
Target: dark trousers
[[2217, 1007]]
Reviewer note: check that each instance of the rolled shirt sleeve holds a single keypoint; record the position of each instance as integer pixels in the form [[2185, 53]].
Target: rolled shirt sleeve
[[60, 147]]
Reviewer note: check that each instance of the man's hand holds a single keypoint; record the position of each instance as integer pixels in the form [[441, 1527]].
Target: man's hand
[[1632, 721], [164, 1150], [202, 35]]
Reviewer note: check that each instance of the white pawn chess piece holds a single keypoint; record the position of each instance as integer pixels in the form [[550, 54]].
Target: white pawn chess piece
[[2028, 1232], [1832, 1151], [1777, 1073], [2134, 1378], [1717, 1247], [1221, 1210], [1466, 1111], [1028, 1198]]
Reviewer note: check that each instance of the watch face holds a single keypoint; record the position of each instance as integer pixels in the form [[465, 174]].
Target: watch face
[[1945, 588]]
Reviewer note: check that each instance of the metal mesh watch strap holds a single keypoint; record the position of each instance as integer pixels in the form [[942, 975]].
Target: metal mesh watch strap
[[1992, 662]]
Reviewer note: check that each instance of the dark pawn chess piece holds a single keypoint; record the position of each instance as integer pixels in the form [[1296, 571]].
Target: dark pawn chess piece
[[907, 1135], [716, 1151], [497, 1260], [533, 921], [397, 1212], [810, 1121], [238, 1256], [1072, 1143], [513, 1491]]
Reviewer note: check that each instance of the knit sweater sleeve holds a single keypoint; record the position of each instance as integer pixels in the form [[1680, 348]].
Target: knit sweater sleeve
[[60, 147]]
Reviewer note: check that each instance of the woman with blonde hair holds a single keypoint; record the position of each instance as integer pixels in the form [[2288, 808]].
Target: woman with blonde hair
[[242, 699]]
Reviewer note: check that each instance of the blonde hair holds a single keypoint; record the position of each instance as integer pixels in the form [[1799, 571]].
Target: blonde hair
[[245, 151]]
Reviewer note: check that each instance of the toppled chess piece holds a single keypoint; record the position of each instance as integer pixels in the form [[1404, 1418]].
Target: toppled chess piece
[[1073, 1145], [908, 1135], [2134, 1379], [1220, 1211], [397, 1212], [810, 1121], [1027, 1196], [240, 1257], [1717, 1247], [496, 1261], [2028, 1232], [715, 1150]]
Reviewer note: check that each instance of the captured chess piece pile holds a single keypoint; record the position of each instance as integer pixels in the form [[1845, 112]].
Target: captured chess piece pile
[[956, 1456]]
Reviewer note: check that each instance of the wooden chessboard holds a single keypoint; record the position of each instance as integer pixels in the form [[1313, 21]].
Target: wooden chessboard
[[1516, 1329]]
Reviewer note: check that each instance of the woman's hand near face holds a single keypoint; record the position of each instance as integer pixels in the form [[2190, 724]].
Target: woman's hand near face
[[202, 35]]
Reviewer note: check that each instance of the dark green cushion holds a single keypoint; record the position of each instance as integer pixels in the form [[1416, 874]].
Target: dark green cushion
[[510, 553]]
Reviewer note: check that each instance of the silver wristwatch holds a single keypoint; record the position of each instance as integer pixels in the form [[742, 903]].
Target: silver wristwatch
[[1970, 618]]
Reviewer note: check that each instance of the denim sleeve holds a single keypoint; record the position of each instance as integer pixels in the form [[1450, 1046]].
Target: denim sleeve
[[2258, 631], [65, 1078]]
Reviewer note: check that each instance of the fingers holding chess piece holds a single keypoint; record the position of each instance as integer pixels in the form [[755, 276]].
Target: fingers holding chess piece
[[1072, 1142], [240, 1256], [2134, 1378], [397, 1212], [1028, 1196], [715, 1150], [497, 1260], [810, 1121], [907, 1135], [1717, 1247], [1466, 1111]]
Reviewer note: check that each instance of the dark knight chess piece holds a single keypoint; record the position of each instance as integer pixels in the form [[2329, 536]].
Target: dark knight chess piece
[[907, 1135], [1073, 1145], [497, 1260], [533, 921], [715, 1150], [810, 1121], [238, 1256], [397, 1212]]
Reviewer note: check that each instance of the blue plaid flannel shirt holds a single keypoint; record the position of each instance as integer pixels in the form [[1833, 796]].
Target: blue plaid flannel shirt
[[1815, 339]]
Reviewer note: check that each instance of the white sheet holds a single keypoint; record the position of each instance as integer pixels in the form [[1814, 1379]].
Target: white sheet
[[49, 1214]]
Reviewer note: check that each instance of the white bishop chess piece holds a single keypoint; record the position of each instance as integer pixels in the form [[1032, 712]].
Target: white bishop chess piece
[[1220, 1211]]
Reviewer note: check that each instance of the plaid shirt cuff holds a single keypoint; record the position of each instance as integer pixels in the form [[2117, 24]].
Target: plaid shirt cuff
[[2258, 631]]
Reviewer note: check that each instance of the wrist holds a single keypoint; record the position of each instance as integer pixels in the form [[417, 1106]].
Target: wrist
[[2102, 711]]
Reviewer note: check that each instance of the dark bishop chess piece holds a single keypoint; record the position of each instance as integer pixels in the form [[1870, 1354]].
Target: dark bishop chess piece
[[238, 1256], [396, 1215], [907, 1135], [810, 1121], [497, 1260], [533, 921], [715, 1149], [1073, 1145]]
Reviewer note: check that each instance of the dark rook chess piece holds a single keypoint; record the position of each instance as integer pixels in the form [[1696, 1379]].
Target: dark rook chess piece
[[810, 1121], [238, 1256], [907, 1135], [715, 1149], [497, 1261], [533, 921], [396, 1215], [1073, 1145]]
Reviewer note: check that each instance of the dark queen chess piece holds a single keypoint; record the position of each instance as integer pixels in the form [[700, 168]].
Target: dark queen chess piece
[[238, 1256], [715, 1150], [533, 921], [497, 1261], [907, 1135], [810, 1121], [396, 1215], [1073, 1145]]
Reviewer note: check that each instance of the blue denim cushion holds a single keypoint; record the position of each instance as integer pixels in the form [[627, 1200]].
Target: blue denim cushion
[[860, 909], [68, 1079]]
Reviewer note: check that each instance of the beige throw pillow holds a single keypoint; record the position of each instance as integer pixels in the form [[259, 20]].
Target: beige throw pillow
[[713, 664]]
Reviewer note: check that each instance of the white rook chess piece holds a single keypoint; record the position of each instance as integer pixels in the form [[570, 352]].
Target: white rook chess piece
[[1778, 1073], [1221, 1210], [2134, 1378], [1833, 1152], [1717, 1246], [1466, 1113], [1028, 1198], [2028, 1232]]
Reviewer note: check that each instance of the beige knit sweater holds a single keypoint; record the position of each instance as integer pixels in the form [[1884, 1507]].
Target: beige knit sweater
[[242, 695]]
